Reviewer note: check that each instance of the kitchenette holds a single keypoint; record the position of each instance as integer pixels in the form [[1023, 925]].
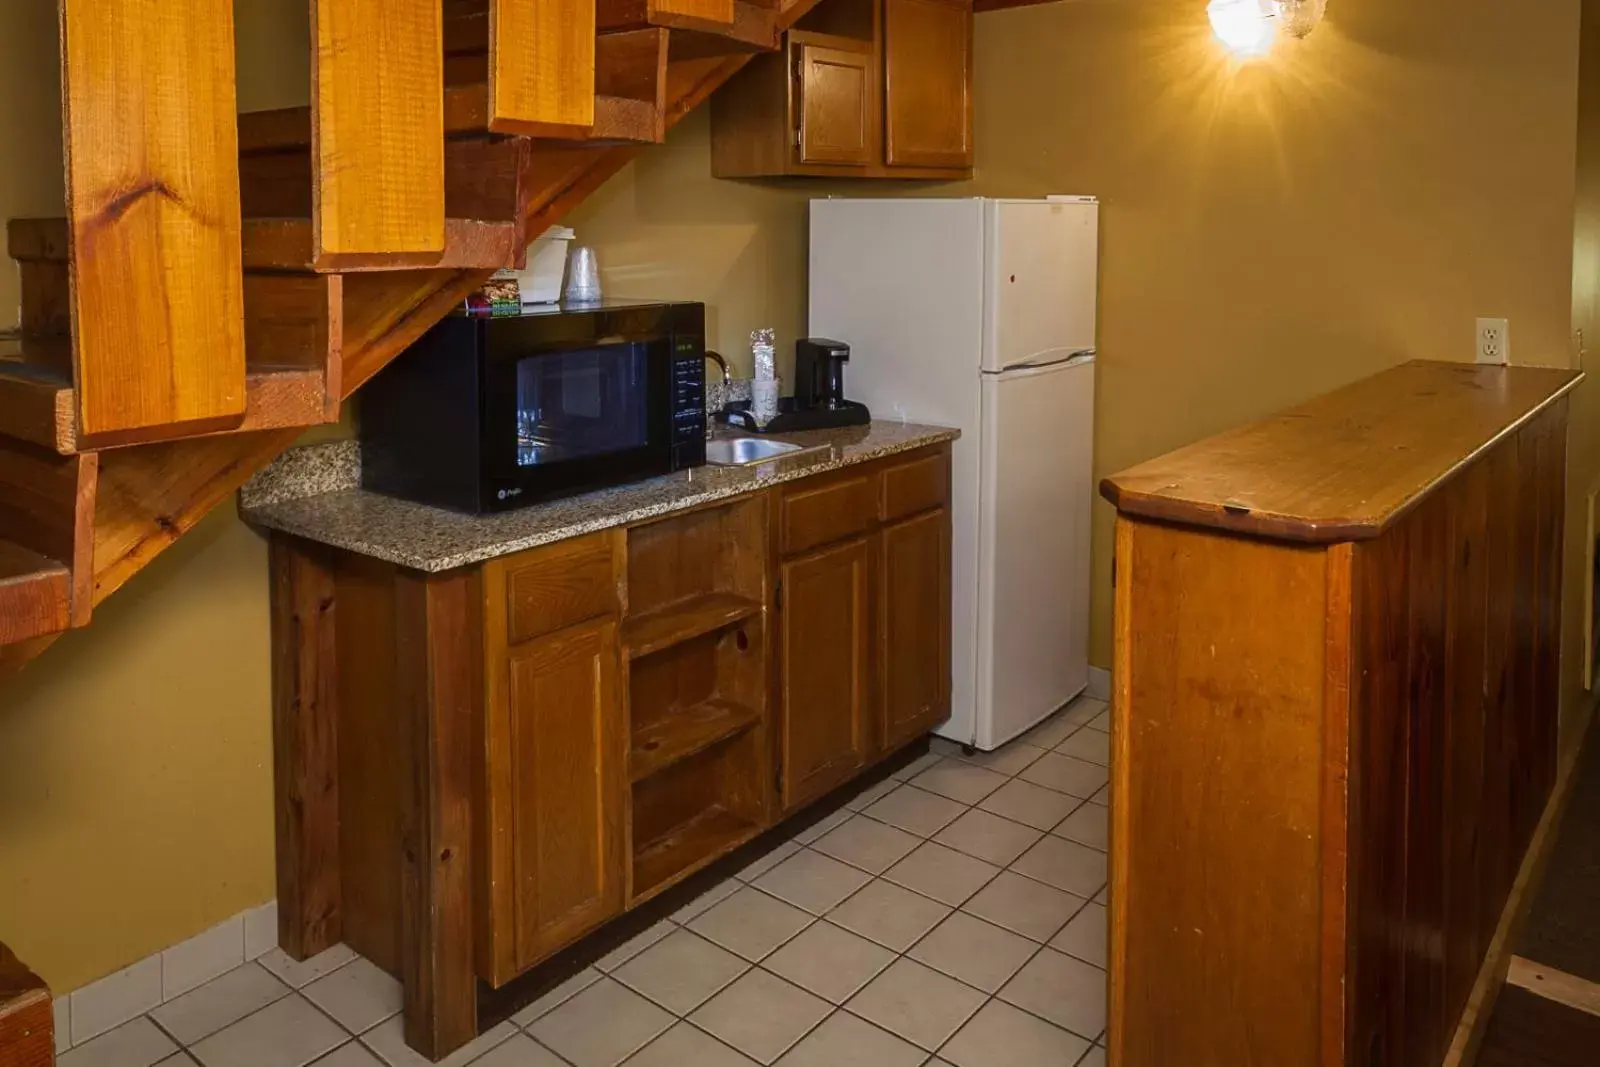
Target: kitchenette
[[572, 624]]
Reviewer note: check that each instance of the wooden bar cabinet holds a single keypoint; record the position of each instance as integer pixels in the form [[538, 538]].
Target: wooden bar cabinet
[[1335, 689]]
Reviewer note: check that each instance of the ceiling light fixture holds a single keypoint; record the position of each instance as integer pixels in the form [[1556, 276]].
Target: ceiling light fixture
[[1249, 27]]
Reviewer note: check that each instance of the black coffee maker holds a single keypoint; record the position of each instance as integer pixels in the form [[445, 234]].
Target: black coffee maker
[[819, 373], [818, 401]]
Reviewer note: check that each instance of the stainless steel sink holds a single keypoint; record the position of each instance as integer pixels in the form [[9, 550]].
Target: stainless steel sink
[[743, 451]]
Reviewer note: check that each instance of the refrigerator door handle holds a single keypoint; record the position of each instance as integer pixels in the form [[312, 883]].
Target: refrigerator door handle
[[1035, 364]]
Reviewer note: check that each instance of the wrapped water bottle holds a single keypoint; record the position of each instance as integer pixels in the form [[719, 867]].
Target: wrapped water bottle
[[763, 354]]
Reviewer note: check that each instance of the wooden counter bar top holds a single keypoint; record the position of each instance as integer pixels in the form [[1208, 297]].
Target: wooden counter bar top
[[1335, 695], [1345, 465]]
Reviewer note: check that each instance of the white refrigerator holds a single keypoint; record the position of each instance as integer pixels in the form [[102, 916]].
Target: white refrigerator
[[980, 314]]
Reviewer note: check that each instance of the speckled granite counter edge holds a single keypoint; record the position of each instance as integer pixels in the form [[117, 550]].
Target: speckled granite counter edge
[[309, 470], [434, 540]]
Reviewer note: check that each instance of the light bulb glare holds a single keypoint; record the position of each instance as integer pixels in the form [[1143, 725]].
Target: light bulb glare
[[1246, 27]]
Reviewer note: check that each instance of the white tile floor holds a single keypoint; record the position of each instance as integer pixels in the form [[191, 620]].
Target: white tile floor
[[950, 917]]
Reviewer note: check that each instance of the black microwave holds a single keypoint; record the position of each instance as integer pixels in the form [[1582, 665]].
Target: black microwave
[[491, 411]]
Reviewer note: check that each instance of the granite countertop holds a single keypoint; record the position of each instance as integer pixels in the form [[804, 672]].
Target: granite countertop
[[314, 492]]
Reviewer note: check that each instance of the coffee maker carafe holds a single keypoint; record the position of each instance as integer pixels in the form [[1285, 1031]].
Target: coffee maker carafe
[[819, 373]]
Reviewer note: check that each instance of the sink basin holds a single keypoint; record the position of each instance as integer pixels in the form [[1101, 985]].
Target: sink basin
[[743, 451]]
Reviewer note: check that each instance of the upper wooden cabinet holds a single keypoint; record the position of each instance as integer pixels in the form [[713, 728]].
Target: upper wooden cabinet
[[834, 103], [861, 89], [927, 69]]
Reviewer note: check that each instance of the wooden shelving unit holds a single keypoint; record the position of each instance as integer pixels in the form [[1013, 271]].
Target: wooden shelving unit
[[694, 641]]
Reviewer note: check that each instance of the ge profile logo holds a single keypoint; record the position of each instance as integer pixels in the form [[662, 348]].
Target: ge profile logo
[[505, 494]]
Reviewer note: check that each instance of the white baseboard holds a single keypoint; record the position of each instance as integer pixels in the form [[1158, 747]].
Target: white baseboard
[[1099, 683], [105, 1004]]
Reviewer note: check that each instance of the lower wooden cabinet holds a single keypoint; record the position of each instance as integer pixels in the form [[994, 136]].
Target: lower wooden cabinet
[[556, 792], [914, 636], [826, 640], [478, 767], [864, 615]]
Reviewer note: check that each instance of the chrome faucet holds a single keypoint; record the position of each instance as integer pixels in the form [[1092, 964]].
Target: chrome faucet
[[716, 357], [716, 394]]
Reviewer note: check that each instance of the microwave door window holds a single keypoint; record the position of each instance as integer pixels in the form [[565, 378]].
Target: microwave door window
[[580, 404]]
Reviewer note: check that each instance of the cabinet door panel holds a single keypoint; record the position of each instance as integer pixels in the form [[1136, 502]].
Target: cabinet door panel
[[915, 657], [557, 753], [927, 55], [835, 105], [827, 625]]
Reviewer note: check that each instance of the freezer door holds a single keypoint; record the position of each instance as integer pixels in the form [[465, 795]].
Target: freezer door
[[1033, 546], [1041, 262]]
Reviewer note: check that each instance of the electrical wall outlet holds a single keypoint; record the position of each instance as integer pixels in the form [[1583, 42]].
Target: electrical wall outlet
[[1494, 341]]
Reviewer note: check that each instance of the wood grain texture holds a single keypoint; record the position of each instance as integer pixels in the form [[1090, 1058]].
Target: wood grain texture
[[439, 654], [834, 106], [296, 320], [290, 245], [826, 643], [305, 744], [558, 743], [1424, 738], [1219, 739], [557, 586], [913, 658], [35, 594], [378, 129], [153, 198], [915, 484], [371, 779], [927, 70], [709, 15], [1307, 474], [27, 1025], [542, 67], [754, 29], [47, 507], [37, 401], [820, 510]]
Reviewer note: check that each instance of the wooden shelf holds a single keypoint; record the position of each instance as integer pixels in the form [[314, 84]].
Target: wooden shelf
[[675, 737], [687, 847], [684, 621], [39, 404], [35, 594]]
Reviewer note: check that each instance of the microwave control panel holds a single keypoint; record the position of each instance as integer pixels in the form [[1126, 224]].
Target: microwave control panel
[[688, 402]]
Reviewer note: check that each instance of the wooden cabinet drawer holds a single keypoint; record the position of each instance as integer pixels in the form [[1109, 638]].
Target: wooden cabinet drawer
[[560, 585], [916, 485], [821, 511]]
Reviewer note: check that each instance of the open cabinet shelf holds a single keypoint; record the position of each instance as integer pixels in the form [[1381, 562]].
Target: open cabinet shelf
[[696, 616], [662, 743], [688, 846]]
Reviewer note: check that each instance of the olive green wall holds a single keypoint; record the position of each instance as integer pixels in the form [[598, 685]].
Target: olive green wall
[[1272, 230], [1269, 232]]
